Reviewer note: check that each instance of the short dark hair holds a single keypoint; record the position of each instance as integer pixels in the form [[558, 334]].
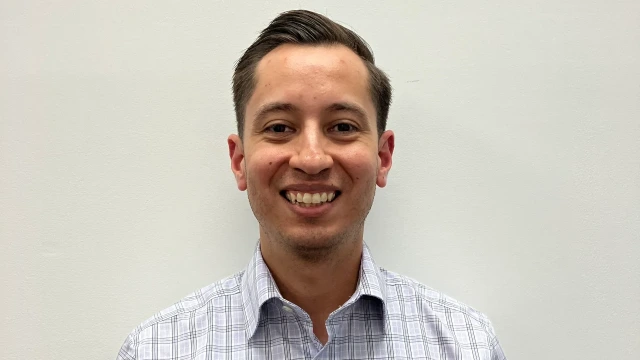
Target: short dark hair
[[307, 28]]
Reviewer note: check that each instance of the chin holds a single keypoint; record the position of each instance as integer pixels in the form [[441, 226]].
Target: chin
[[318, 241], [312, 241]]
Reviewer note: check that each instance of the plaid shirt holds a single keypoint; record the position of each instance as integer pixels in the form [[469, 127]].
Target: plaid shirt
[[245, 317]]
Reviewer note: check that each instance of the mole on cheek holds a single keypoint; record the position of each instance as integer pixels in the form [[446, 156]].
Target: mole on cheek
[[270, 162]]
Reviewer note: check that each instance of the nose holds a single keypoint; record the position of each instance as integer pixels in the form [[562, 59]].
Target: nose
[[311, 156]]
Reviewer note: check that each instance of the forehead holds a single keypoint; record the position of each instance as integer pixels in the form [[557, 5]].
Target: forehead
[[311, 75], [312, 59]]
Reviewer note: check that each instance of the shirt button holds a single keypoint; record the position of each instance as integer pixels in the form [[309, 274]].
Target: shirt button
[[287, 309]]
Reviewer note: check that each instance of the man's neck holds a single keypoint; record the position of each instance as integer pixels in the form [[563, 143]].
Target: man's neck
[[318, 286]]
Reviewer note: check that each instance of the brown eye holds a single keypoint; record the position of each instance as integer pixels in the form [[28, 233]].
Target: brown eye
[[343, 128], [278, 128]]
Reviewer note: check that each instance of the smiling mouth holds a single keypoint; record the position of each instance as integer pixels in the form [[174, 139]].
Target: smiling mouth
[[303, 199]]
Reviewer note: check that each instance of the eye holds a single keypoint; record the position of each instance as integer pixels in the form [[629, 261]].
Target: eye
[[278, 128], [343, 128]]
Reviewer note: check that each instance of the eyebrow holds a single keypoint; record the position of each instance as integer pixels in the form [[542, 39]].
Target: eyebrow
[[355, 109], [269, 108], [266, 109]]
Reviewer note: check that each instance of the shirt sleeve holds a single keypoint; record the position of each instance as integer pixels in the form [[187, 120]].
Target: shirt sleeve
[[127, 351], [496, 350]]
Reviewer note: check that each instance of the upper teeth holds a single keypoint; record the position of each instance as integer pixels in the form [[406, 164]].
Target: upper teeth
[[308, 198]]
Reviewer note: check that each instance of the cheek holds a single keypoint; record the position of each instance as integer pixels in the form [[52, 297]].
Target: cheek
[[263, 164], [360, 164]]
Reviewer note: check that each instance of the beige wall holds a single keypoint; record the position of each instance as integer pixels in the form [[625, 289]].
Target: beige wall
[[515, 187]]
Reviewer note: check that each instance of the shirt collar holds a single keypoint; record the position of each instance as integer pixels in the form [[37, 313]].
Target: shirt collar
[[371, 281], [258, 286]]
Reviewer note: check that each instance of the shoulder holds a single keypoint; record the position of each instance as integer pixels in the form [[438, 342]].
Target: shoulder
[[413, 308], [431, 302], [194, 310], [201, 299]]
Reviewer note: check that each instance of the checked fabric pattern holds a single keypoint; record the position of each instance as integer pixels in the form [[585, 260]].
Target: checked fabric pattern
[[245, 317]]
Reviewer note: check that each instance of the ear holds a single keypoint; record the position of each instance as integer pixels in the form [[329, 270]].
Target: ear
[[385, 153], [236, 153]]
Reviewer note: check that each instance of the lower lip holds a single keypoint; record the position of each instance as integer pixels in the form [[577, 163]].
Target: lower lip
[[311, 211]]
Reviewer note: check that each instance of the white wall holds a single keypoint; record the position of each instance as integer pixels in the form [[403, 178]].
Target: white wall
[[515, 187]]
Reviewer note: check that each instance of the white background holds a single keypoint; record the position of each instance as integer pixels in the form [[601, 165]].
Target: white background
[[515, 186]]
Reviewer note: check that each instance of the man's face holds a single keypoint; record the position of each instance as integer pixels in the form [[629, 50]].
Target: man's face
[[311, 156]]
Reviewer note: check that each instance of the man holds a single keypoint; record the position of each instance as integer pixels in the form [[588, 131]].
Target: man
[[311, 147]]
